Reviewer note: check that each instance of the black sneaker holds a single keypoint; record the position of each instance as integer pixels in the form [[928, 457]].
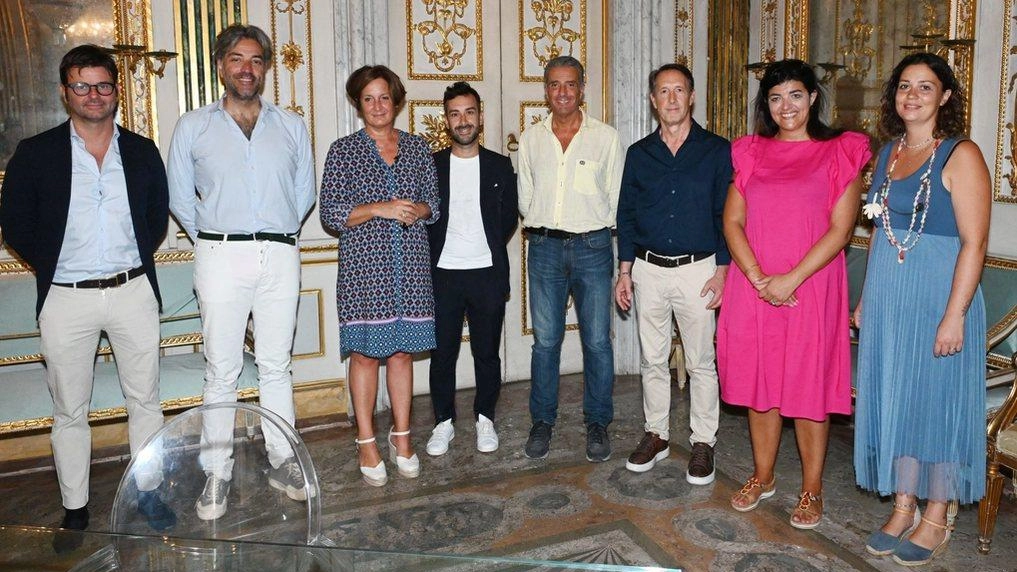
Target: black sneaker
[[700, 465], [67, 540], [159, 516], [539, 442], [598, 444]]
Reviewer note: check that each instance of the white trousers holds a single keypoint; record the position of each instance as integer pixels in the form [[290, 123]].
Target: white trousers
[[234, 281], [658, 294], [70, 323]]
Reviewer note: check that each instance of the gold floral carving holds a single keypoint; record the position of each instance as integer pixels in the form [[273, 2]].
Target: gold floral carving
[[683, 34], [552, 34], [445, 38], [292, 55], [430, 125], [131, 20], [858, 53], [1006, 136]]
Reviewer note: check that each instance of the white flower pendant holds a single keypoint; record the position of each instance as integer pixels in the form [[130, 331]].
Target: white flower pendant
[[872, 210]]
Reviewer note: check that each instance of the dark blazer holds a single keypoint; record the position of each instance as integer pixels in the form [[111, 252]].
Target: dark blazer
[[499, 208], [36, 196]]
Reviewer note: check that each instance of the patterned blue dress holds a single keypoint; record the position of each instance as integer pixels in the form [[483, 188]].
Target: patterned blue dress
[[383, 291], [919, 419]]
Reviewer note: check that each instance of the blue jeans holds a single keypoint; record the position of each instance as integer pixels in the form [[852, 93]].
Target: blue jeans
[[554, 267]]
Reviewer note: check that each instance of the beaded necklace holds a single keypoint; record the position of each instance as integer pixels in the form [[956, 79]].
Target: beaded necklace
[[920, 204]]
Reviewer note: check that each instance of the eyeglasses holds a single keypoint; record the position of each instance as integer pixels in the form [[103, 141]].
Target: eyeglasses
[[81, 89]]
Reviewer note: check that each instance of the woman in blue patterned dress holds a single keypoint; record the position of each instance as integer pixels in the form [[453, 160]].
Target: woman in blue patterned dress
[[378, 190], [920, 411]]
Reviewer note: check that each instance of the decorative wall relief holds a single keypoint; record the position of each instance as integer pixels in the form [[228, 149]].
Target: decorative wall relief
[[683, 32], [548, 29], [427, 119], [1005, 172], [532, 112], [444, 39], [293, 58], [196, 24]]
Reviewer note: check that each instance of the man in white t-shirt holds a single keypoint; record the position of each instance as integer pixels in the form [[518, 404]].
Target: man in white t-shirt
[[469, 266]]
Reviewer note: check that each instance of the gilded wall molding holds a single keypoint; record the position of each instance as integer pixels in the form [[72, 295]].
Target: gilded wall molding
[[316, 296], [796, 29], [684, 32], [548, 29], [293, 53], [727, 82], [767, 31], [1005, 174], [439, 34], [132, 22]]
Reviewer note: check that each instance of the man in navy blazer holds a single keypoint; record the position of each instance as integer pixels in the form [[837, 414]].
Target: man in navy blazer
[[86, 205], [469, 266]]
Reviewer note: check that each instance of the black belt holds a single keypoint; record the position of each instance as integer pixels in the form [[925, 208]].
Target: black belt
[[111, 282], [289, 239], [671, 261], [560, 234]]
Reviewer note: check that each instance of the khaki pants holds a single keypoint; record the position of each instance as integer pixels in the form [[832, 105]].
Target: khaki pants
[[70, 323], [658, 294]]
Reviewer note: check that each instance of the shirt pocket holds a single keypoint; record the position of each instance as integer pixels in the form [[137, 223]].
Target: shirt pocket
[[585, 179]]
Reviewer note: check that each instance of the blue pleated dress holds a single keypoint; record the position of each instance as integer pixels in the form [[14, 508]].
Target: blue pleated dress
[[919, 419]]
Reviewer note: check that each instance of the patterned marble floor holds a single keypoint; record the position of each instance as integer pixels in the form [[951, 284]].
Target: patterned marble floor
[[566, 509]]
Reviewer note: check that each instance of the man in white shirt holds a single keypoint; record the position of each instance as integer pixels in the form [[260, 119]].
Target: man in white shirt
[[241, 178], [570, 168], [469, 266]]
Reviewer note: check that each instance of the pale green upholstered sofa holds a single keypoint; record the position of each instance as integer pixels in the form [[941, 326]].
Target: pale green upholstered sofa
[[26, 405]]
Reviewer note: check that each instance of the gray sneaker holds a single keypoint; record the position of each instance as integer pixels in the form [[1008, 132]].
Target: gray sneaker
[[539, 442], [598, 444], [212, 502], [290, 479]]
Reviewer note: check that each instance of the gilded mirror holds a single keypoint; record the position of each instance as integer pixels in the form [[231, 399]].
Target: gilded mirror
[[35, 34]]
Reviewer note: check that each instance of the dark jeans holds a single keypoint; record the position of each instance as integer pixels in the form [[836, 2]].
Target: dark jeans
[[584, 266], [476, 294]]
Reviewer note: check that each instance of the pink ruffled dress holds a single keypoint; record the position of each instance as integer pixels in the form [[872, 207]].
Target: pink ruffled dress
[[795, 359]]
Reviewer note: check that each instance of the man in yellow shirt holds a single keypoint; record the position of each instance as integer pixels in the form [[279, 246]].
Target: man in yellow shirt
[[570, 169]]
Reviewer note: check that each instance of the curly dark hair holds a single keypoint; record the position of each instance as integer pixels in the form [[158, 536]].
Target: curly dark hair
[[781, 72], [949, 118]]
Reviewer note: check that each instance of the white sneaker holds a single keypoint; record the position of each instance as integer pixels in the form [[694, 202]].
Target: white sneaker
[[212, 502], [441, 436], [487, 437]]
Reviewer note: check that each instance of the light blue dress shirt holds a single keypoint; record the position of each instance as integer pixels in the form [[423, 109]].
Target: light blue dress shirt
[[99, 238], [219, 181]]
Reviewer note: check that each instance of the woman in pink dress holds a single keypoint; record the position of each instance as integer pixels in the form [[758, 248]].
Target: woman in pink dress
[[782, 338]]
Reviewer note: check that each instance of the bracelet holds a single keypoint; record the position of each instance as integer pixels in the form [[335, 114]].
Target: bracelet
[[624, 274]]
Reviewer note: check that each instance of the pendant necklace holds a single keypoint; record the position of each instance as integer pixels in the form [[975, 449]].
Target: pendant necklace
[[920, 204]]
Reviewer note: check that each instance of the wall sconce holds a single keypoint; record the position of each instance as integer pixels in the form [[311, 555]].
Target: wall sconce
[[155, 61]]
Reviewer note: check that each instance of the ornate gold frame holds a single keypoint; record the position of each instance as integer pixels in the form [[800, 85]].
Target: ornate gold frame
[[450, 76], [581, 39]]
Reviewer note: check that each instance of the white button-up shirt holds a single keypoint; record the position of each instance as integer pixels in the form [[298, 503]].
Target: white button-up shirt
[[99, 238], [222, 182], [576, 189]]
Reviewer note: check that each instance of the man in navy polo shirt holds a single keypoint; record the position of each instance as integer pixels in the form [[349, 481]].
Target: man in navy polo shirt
[[673, 261]]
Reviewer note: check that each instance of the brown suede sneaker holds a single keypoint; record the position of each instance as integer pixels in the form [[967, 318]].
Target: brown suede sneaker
[[649, 450], [700, 465]]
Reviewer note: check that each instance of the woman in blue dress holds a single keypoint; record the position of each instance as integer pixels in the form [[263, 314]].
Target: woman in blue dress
[[378, 190], [920, 410]]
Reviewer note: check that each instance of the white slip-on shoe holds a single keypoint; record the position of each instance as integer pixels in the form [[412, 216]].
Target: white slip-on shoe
[[375, 476], [407, 467], [487, 437], [441, 436]]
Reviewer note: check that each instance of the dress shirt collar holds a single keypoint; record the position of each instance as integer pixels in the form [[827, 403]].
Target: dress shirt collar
[[582, 125], [79, 138], [267, 105]]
